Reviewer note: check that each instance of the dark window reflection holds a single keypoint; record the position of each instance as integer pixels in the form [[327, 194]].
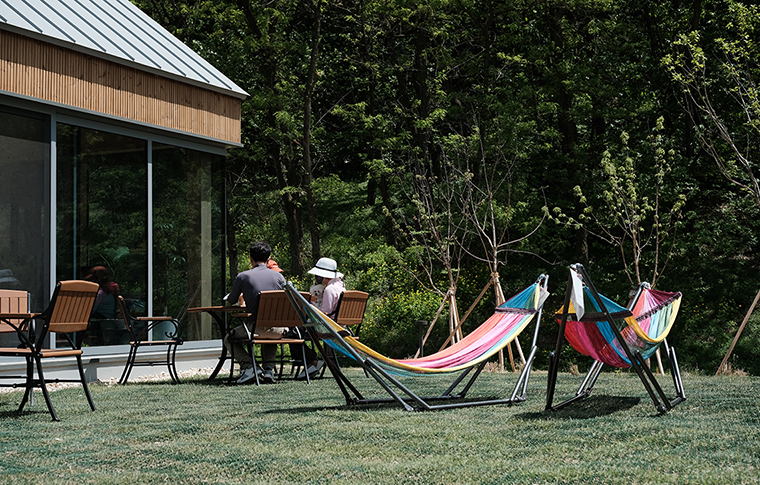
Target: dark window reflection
[[102, 222], [24, 217], [188, 264]]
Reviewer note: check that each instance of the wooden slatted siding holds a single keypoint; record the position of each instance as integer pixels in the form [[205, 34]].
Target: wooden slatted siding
[[41, 70]]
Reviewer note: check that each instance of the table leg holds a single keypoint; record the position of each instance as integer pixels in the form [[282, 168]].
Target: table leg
[[220, 323]]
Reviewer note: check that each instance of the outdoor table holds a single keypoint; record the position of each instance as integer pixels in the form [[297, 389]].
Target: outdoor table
[[21, 320], [216, 313]]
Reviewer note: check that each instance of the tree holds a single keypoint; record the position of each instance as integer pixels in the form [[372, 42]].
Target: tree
[[718, 78], [719, 81], [637, 211]]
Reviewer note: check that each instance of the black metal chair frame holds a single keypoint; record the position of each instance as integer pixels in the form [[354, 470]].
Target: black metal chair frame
[[140, 338], [54, 319]]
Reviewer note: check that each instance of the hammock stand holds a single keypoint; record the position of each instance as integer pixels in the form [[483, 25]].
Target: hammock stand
[[606, 336], [467, 357]]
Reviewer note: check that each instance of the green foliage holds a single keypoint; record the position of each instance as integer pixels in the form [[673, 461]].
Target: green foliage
[[535, 95], [390, 326], [746, 354], [638, 205]]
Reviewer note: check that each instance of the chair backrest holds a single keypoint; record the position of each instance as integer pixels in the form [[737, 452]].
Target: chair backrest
[[71, 305], [128, 318], [13, 301], [351, 308], [275, 310]]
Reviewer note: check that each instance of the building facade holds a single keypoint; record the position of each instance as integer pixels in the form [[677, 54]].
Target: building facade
[[113, 136]]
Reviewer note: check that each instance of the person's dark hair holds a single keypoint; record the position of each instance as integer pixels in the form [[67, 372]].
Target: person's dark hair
[[260, 251]]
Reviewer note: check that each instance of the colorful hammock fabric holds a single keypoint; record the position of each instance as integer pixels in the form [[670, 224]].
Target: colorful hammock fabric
[[494, 334], [644, 327], [617, 336]]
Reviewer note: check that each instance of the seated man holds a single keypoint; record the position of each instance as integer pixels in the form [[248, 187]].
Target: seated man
[[250, 284]]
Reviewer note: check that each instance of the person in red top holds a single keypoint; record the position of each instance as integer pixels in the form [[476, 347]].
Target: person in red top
[[108, 292]]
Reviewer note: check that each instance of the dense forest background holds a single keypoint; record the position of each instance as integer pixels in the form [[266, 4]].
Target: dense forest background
[[434, 147]]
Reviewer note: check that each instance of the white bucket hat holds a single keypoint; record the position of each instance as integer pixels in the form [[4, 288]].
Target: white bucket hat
[[327, 268]]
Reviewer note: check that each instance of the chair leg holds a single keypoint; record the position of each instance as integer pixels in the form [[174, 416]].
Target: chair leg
[[84, 382], [303, 358], [28, 392], [130, 363], [171, 356], [332, 356], [43, 386], [232, 357]]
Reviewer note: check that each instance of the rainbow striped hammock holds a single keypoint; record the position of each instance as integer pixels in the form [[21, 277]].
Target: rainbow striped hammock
[[470, 353], [614, 335]]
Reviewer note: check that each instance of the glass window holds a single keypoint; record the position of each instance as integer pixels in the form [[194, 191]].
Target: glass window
[[24, 199], [188, 236], [102, 223]]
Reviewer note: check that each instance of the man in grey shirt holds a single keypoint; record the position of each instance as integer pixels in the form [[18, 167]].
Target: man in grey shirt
[[250, 284]]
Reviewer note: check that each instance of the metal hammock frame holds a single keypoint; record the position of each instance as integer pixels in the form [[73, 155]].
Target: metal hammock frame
[[386, 371], [633, 355]]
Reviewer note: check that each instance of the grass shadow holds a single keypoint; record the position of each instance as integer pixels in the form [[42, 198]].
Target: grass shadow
[[391, 405], [591, 407], [309, 409], [12, 411]]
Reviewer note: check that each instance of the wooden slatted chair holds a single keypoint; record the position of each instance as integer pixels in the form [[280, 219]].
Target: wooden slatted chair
[[349, 314], [274, 310], [68, 313], [13, 301], [351, 310], [140, 330]]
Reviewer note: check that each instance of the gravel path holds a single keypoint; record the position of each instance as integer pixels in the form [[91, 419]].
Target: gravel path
[[54, 386]]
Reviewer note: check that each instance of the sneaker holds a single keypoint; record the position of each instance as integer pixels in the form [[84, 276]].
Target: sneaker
[[317, 367], [268, 377], [312, 370], [247, 375], [301, 375]]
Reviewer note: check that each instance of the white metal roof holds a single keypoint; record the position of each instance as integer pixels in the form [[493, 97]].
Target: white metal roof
[[114, 30]]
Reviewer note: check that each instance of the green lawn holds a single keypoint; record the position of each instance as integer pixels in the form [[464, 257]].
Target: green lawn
[[291, 432]]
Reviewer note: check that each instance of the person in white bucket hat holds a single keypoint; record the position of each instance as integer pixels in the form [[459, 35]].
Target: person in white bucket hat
[[326, 268], [326, 273]]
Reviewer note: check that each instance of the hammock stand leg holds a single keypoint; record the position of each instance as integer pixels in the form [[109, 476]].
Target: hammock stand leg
[[675, 373], [461, 377], [522, 381], [554, 357], [380, 375], [649, 381], [335, 370], [385, 380], [679, 386]]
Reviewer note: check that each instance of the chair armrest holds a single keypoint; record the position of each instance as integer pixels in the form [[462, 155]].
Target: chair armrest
[[152, 322]]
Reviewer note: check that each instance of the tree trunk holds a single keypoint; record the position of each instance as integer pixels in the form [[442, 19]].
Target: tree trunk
[[311, 202]]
